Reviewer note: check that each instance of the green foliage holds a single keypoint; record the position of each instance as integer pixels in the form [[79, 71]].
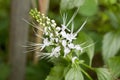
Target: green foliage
[[89, 8], [114, 19], [4, 22], [103, 74], [113, 1], [38, 71], [87, 41], [74, 74], [56, 73], [111, 45], [114, 66], [70, 4], [4, 71]]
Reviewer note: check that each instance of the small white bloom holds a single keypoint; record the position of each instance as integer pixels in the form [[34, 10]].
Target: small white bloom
[[40, 23], [53, 25], [45, 29], [49, 28], [73, 59], [56, 39], [51, 35], [48, 22], [45, 43], [66, 51], [53, 21], [63, 33], [70, 37], [58, 28], [48, 19], [64, 43], [43, 14], [63, 27], [77, 47], [71, 45], [55, 52], [40, 20], [43, 24], [57, 34], [46, 33]]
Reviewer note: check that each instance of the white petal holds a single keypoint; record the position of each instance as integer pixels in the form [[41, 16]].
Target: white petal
[[51, 35], [64, 43], [58, 28], [63, 33], [55, 52], [73, 59], [57, 49], [71, 45], [56, 39], [53, 21], [66, 51], [77, 47]]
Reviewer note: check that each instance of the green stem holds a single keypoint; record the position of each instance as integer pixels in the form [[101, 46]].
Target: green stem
[[87, 66], [86, 74]]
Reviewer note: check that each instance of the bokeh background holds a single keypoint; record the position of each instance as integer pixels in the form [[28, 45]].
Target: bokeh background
[[103, 28]]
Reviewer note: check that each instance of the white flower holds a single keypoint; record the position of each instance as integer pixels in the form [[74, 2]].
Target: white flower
[[53, 21], [47, 19], [48, 22], [66, 51], [53, 25], [64, 28], [45, 43], [49, 28], [51, 35], [56, 39], [63, 33], [58, 28], [70, 37], [73, 59], [46, 33], [55, 52], [45, 29], [77, 47], [71, 45], [64, 43], [57, 34]]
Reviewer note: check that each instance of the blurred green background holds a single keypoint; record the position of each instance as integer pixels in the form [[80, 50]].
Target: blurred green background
[[103, 27]]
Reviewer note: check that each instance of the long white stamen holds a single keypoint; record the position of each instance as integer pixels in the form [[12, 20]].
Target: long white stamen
[[81, 27], [72, 17], [64, 17], [88, 46], [72, 27], [33, 49], [37, 34], [32, 24]]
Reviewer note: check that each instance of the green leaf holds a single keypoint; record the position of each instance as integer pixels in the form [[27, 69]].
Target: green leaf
[[103, 74], [111, 45], [4, 71], [89, 8], [114, 20], [56, 73], [74, 74], [113, 1], [84, 38], [69, 4], [114, 66]]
